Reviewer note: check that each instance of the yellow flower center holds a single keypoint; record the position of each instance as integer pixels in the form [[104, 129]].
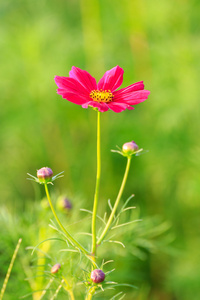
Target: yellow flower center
[[101, 96]]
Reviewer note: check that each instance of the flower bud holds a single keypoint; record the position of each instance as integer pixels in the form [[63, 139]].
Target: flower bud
[[67, 204], [130, 148], [64, 204], [97, 276], [44, 175], [55, 268], [44, 203]]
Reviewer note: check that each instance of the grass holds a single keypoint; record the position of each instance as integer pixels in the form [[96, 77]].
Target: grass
[[155, 43]]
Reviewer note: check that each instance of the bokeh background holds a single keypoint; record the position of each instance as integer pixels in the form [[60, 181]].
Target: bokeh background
[[155, 41]]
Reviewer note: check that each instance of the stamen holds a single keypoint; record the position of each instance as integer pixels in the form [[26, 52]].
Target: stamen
[[101, 96]]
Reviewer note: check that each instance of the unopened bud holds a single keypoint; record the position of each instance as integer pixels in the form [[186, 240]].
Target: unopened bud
[[44, 203], [97, 276], [44, 175], [55, 268], [130, 148], [64, 204]]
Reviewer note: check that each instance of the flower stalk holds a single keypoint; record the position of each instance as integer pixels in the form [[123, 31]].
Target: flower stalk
[[70, 238], [10, 269], [90, 293], [71, 294], [96, 194], [110, 220], [69, 289]]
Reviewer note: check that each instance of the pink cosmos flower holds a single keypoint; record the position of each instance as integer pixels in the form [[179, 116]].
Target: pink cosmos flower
[[81, 88]]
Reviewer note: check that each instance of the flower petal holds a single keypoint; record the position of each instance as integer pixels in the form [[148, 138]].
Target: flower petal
[[71, 85], [72, 97], [102, 107], [133, 87], [132, 94], [130, 107], [84, 78], [119, 107], [112, 79], [133, 98]]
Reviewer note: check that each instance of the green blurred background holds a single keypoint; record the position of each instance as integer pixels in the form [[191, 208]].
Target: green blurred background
[[154, 41]]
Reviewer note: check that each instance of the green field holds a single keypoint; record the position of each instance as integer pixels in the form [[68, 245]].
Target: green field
[[154, 41]]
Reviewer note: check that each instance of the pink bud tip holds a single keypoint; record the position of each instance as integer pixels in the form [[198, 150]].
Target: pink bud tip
[[97, 276], [44, 175], [130, 148], [55, 268], [66, 204]]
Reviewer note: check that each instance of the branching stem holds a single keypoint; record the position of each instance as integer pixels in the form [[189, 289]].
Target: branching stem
[[110, 220], [68, 235]]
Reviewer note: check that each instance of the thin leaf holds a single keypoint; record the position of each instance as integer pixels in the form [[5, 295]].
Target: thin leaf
[[90, 212], [130, 207], [68, 250], [107, 273], [104, 217], [115, 296], [84, 233], [122, 297], [124, 284], [58, 289], [111, 282], [47, 287], [117, 242], [124, 224], [34, 292], [49, 239], [39, 250], [110, 205], [107, 262]]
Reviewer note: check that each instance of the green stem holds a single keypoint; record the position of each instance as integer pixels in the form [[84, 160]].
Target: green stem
[[107, 227], [57, 291], [96, 195], [90, 294], [10, 269], [71, 294], [68, 289], [70, 238], [89, 297]]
